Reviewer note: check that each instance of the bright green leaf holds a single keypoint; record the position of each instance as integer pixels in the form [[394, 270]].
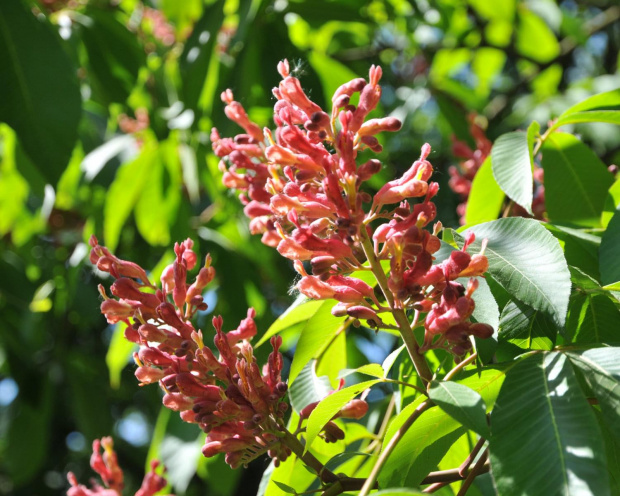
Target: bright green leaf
[[301, 310], [512, 167], [315, 335], [535, 39], [462, 404], [330, 406], [485, 198]]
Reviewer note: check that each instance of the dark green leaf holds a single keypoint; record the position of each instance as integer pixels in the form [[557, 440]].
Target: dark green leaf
[[527, 262], [40, 96], [196, 57], [544, 436], [114, 55], [576, 181], [526, 328], [512, 167], [286, 488], [609, 254], [580, 248], [593, 318], [462, 404]]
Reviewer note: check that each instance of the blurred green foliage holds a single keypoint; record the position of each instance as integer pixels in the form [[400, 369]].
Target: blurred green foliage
[[106, 109]]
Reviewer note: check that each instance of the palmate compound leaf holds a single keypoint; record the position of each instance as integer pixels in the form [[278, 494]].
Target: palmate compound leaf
[[527, 261], [422, 445], [601, 370], [544, 436]]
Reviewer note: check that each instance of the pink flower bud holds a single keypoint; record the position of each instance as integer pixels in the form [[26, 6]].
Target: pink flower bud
[[354, 409], [177, 402]]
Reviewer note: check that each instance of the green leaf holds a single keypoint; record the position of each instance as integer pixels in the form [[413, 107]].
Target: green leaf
[[462, 404], [406, 463], [315, 335], [613, 287], [40, 96], [580, 248], [535, 39], [601, 370], [576, 181], [196, 57], [308, 388], [604, 107], [114, 54], [396, 492], [159, 200], [593, 318], [512, 167], [390, 359], [526, 328], [118, 354], [612, 202], [333, 359], [330, 406], [124, 193], [285, 487], [301, 310], [542, 420], [609, 253], [527, 262], [485, 198], [372, 369]]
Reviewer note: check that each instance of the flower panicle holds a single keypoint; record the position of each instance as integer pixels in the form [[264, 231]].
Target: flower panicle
[[105, 464], [302, 188], [223, 390]]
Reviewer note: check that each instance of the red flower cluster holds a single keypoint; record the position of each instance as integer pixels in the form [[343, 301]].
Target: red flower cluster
[[239, 406], [302, 191], [461, 176], [106, 465]]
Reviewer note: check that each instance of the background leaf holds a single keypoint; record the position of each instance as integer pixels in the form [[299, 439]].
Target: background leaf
[[40, 96], [485, 198]]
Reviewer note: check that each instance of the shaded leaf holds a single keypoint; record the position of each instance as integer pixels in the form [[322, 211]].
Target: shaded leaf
[[576, 181], [593, 318], [308, 388], [40, 96], [609, 252], [527, 328]]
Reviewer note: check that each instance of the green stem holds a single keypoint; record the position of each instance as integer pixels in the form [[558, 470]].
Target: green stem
[[404, 327], [389, 447]]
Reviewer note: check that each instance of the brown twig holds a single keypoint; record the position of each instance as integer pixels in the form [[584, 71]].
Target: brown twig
[[475, 472]]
